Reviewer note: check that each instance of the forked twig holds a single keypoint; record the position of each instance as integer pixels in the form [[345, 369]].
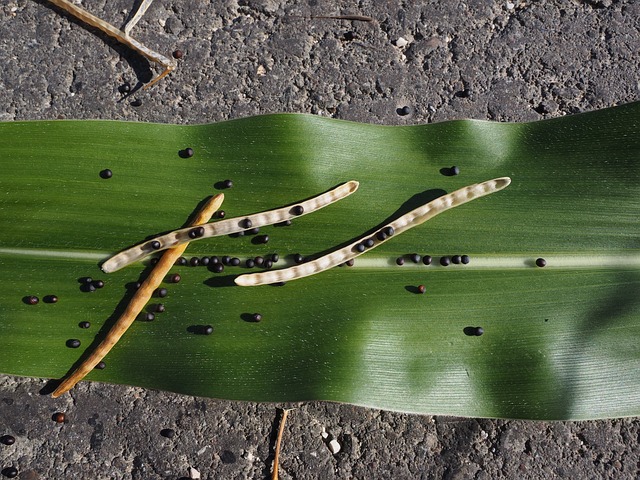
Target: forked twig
[[80, 13], [137, 303]]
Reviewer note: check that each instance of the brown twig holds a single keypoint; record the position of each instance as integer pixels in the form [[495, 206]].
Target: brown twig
[[283, 420]]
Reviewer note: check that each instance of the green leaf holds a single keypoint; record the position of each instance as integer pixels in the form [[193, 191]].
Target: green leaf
[[560, 342]]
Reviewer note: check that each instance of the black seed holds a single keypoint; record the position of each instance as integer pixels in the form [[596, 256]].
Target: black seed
[[256, 317], [403, 111], [188, 152], [389, 231], [415, 258], [90, 287], [369, 242], [10, 472], [196, 232], [155, 245], [457, 259], [181, 261], [159, 308], [427, 259], [348, 36], [175, 278], [227, 184], [253, 231], [297, 258], [59, 417], [400, 261], [7, 440], [259, 261], [194, 261], [218, 268], [98, 283], [445, 261], [250, 263], [350, 263], [84, 324], [177, 54], [541, 262], [422, 289], [215, 259], [73, 343], [137, 285], [87, 280], [125, 88], [381, 235], [205, 261], [200, 231], [262, 239], [136, 103], [168, 432], [220, 214], [267, 264], [148, 317], [275, 257], [234, 262], [286, 223], [454, 170], [106, 174], [359, 247], [465, 259], [32, 300], [154, 261], [100, 366], [478, 331], [246, 223], [207, 330], [226, 260], [162, 292], [297, 210]]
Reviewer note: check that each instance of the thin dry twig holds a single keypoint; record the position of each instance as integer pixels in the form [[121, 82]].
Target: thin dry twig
[[81, 14], [137, 15], [137, 303], [276, 460]]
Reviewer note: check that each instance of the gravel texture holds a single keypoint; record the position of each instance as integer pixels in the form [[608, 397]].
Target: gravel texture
[[502, 60]]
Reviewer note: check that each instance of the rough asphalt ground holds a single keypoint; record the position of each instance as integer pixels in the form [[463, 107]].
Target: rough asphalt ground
[[503, 60]]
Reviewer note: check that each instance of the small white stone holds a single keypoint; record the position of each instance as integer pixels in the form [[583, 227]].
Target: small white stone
[[194, 474], [334, 446], [325, 435], [401, 42], [261, 71], [511, 5]]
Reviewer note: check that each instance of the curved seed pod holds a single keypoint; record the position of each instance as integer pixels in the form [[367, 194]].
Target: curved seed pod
[[137, 303], [229, 226], [405, 222]]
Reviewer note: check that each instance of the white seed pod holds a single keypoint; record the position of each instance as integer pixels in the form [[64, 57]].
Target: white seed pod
[[405, 222], [229, 226]]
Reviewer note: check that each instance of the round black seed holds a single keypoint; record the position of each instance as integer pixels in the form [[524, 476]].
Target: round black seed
[[415, 258], [234, 262], [541, 262], [155, 244], [286, 223], [205, 261], [454, 170], [98, 283], [207, 330], [59, 417], [90, 287], [73, 343], [106, 174], [181, 261], [445, 261], [457, 259], [350, 263], [369, 242], [381, 235], [403, 111], [154, 261], [250, 263], [162, 292], [178, 54], [359, 247], [32, 300], [227, 184], [297, 258], [422, 289], [246, 223], [194, 261], [200, 231], [226, 260], [175, 278], [137, 285], [389, 231], [400, 261], [262, 239], [148, 317], [136, 103], [267, 264], [297, 210], [253, 231], [256, 317], [259, 261], [196, 232], [465, 259], [7, 440], [87, 280], [218, 268], [124, 88], [215, 259], [427, 259], [275, 257], [159, 308], [168, 432], [84, 324], [478, 331], [100, 366], [10, 472], [188, 152], [220, 214]]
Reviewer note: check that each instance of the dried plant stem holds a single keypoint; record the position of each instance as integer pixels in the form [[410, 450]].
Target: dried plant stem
[[80, 13], [405, 222], [137, 303], [135, 18], [276, 460]]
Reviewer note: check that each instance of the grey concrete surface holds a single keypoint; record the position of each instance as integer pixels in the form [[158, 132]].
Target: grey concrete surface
[[508, 60]]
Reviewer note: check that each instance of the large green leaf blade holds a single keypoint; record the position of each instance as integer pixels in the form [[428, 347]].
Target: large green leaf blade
[[559, 342]]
